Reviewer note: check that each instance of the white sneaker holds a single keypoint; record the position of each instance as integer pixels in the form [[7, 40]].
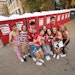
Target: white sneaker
[[48, 58], [25, 56], [58, 56], [51, 53], [22, 60], [28, 53], [63, 55], [54, 55], [34, 59], [38, 63], [41, 60]]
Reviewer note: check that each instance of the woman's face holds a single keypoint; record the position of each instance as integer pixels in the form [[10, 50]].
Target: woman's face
[[24, 28], [62, 28], [54, 30], [44, 28], [48, 31], [42, 32]]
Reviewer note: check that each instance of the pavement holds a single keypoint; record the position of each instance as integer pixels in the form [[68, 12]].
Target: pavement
[[10, 65]]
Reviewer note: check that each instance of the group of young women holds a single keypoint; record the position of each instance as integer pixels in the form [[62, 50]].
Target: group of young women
[[49, 42]]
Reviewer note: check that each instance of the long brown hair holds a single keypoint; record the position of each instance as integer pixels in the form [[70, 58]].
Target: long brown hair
[[22, 27]]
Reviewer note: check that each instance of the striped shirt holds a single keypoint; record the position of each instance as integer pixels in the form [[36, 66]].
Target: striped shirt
[[24, 37]]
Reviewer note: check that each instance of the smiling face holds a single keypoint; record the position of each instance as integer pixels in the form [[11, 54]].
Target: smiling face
[[62, 28], [24, 28], [32, 26], [44, 28], [48, 31], [53, 20], [42, 32], [54, 30], [14, 28]]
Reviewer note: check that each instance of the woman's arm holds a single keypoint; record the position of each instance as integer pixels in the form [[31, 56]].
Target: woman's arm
[[68, 37], [10, 38], [59, 36]]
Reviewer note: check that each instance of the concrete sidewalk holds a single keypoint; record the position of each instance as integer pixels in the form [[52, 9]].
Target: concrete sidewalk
[[10, 65]]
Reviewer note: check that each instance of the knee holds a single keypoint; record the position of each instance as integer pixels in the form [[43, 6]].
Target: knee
[[38, 55], [42, 55]]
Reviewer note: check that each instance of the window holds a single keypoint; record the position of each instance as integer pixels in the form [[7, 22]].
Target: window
[[19, 11], [16, 11], [10, 1]]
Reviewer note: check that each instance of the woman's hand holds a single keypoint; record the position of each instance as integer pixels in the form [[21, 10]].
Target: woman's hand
[[16, 45]]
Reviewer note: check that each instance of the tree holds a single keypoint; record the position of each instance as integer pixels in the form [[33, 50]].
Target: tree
[[25, 6], [69, 3], [63, 2], [40, 5], [72, 3], [66, 3], [48, 5]]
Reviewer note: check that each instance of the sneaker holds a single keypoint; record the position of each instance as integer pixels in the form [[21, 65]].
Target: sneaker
[[63, 55], [51, 53], [22, 60], [54, 55], [24, 56], [58, 56], [25, 59], [34, 59], [29, 55], [42, 61], [38, 63], [48, 58]]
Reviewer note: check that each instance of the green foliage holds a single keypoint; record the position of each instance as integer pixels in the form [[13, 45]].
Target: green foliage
[[64, 3], [38, 5], [42, 5]]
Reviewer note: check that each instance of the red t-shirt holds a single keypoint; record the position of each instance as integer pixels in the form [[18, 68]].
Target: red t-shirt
[[56, 25], [31, 34], [49, 26], [55, 37], [39, 39], [48, 39]]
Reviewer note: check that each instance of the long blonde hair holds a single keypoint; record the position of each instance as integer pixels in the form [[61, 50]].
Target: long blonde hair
[[65, 28]]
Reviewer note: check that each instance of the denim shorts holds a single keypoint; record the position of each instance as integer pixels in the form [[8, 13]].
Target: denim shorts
[[58, 44], [34, 48]]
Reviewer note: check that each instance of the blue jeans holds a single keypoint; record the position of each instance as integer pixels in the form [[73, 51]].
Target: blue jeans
[[33, 49], [47, 49]]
